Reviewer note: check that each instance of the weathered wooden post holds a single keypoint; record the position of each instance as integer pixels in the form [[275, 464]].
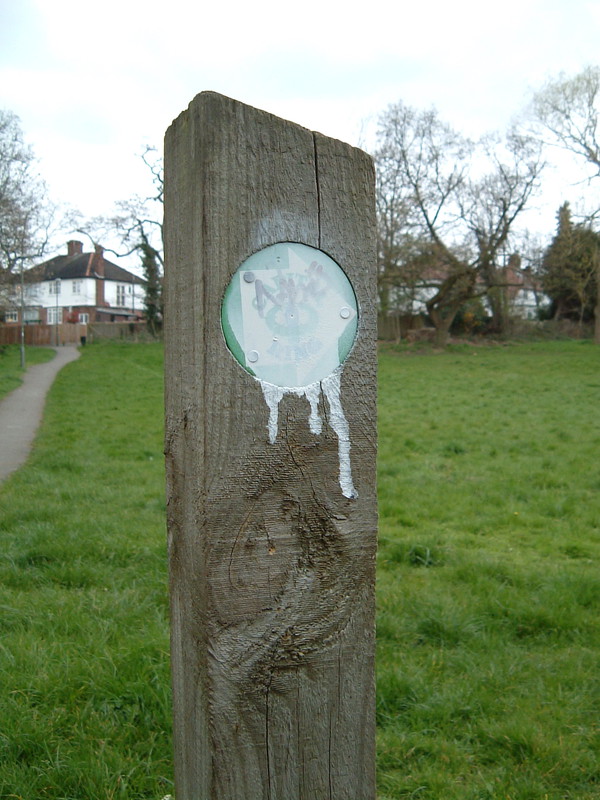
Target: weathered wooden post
[[270, 329]]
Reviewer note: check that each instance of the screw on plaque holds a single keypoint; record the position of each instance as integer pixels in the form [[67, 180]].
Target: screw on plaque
[[253, 356], [249, 277]]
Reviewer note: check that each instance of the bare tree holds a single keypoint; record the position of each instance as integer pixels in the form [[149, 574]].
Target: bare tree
[[25, 215], [490, 207], [421, 163], [136, 225], [399, 271], [566, 112], [460, 199]]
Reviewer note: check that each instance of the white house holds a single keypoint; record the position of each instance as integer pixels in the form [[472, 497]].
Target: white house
[[80, 287], [524, 294]]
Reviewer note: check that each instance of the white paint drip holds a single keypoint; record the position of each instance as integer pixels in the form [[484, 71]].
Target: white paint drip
[[339, 423], [273, 395], [312, 395], [331, 389]]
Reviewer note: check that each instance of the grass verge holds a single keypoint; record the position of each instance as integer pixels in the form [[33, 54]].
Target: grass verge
[[489, 589], [488, 581], [83, 650]]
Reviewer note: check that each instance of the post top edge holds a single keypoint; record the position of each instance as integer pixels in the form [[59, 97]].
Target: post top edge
[[209, 95]]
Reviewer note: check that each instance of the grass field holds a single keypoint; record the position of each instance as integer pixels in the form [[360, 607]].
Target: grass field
[[488, 580], [84, 708]]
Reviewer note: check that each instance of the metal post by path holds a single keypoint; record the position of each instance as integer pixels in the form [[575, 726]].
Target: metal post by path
[[270, 442]]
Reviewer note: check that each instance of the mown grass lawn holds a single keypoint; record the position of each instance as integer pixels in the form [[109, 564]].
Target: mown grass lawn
[[84, 706], [488, 580]]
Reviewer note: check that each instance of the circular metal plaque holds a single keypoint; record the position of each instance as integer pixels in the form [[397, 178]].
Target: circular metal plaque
[[290, 315]]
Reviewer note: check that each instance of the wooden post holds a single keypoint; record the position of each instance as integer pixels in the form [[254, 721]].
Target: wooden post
[[272, 556]]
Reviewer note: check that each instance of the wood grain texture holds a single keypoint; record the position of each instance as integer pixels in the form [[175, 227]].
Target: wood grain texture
[[272, 569]]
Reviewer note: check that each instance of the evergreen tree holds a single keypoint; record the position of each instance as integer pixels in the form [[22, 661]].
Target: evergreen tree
[[153, 299], [570, 269]]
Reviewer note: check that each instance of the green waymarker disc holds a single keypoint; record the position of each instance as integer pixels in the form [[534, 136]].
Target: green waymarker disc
[[290, 315]]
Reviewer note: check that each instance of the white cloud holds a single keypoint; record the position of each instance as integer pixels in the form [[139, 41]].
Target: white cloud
[[92, 89]]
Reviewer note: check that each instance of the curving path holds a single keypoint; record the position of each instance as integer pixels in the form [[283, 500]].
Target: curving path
[[21, 410]]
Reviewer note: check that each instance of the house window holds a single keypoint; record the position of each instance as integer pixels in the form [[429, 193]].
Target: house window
[[54, 316], [85, 318], [77, 287], [54, 286], [11, 316], [120, 295]]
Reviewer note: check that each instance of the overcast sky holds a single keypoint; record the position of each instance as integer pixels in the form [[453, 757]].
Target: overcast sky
[[94, 83]]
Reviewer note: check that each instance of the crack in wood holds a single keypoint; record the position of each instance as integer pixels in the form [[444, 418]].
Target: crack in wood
[[318, 190]]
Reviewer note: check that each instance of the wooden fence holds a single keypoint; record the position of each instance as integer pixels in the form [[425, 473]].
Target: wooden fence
[[43, 335], [75, 333]]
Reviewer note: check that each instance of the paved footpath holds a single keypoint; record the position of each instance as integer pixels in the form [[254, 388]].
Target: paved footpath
[[21, 410]]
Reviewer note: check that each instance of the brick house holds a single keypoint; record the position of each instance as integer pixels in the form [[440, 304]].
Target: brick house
[[80, 287], [523, 290]]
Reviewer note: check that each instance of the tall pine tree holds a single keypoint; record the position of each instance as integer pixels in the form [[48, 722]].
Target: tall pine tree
[[570, 269]]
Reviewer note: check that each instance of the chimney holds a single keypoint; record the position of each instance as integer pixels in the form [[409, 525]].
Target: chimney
[[97, 264], [98, 261], [74, 248]]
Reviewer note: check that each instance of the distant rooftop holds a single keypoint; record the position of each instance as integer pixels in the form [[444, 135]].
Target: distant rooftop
[[77, 264]]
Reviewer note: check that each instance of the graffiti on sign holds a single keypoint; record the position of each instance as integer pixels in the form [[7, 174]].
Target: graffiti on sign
[[290, 318]]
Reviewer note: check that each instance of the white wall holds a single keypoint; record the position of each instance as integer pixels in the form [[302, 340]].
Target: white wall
[[134, 295], [82, 292]]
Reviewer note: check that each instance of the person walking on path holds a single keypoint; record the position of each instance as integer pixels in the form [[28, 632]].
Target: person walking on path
[[21, 410]]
